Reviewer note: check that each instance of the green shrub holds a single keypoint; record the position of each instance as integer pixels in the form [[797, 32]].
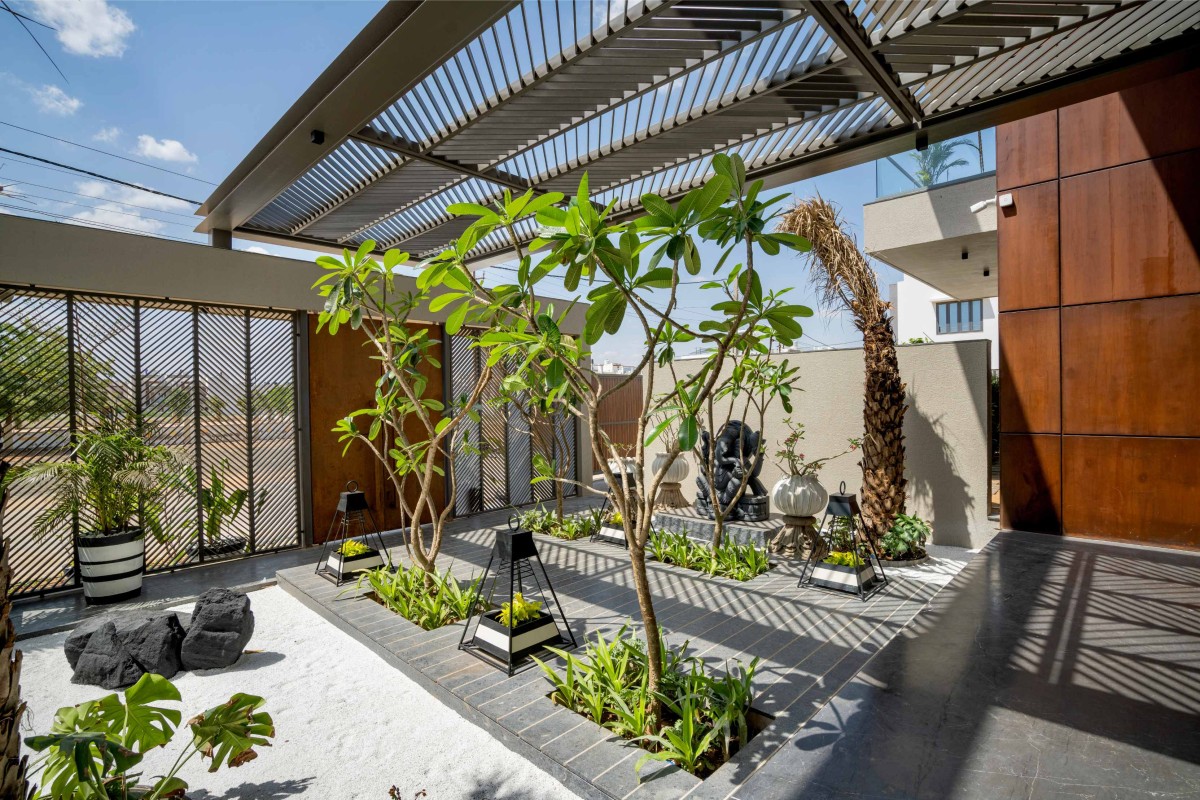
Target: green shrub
[[731, 560], [574, 526], [429, 599], [519, 610], [704, 716], [906, 538], [352, 548], [842, 558]]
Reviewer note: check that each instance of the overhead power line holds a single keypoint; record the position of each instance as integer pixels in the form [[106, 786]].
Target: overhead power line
[[98, 175], [101, 199], [111, 155], [102, 225], [107, 210], [20, 18]]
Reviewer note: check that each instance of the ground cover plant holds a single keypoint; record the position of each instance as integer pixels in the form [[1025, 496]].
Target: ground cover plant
[[704, 718], [905, 540], [430, 599], [93, 747], [570, 527], [728, 560]]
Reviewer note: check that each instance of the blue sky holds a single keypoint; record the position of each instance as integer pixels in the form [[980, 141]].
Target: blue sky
[[192, 86]]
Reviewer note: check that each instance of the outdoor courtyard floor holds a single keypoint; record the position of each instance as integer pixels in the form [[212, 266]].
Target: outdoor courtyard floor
[[810, 643]]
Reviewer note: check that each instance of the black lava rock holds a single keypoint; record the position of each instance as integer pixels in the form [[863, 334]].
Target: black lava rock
[[222, 624], [153, 639], [106, 661]]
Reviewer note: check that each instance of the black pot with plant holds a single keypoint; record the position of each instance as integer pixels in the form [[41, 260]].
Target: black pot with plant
[[115, 487]]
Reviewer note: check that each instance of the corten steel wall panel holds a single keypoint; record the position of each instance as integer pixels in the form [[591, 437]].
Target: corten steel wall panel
[[619, 411], [1027, 151], [1031, 496], [341, 378], [1132, 231], [1133, 489], [1153, 119], [1029, 362], [1027, 248], [1128, 368]]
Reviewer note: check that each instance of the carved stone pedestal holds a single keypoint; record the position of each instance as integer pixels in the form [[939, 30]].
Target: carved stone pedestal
[[670, 496], [797, 538]]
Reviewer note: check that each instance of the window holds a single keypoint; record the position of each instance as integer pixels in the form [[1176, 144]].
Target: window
[[960, 316]]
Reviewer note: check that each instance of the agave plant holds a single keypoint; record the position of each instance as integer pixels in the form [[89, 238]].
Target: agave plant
[[114, 483]]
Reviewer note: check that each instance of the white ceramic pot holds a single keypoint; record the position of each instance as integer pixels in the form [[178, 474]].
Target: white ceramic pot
[[678, 471], [111, 567], [799, 496]]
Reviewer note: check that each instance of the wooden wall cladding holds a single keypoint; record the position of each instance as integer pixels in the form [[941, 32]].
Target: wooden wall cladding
[[1152, 251], [1138, 123], [1027, 151], [1031, 498], [1029, 362], [1027, 248], [341, 378], [1130, 368], [1132, 489]]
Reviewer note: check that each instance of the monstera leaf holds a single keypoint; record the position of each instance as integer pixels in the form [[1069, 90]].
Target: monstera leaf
[[80, 763], [136, 723], [228, 733]]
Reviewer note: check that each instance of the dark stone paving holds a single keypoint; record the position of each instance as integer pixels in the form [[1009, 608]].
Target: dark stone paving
[[1048, 668], [810, 644]]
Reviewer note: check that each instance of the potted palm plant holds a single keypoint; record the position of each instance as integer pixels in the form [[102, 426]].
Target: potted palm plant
[[114, 486]]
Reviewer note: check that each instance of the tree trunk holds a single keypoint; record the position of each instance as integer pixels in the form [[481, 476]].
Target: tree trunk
[[883, 428], [13, 785], [641, 584]]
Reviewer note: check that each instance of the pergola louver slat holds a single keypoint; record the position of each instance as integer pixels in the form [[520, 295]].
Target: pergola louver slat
[[640, 96]]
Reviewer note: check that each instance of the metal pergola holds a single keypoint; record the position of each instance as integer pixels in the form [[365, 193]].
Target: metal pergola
[[436, 103]]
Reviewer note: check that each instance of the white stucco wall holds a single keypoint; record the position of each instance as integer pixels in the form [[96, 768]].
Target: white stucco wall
[[915, 315], [948, 462]]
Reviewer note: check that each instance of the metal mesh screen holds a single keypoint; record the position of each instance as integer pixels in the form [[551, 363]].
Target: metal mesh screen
[[494, 469], [216, 384]]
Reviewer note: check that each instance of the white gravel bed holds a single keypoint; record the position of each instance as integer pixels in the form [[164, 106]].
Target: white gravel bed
[[347, 724]]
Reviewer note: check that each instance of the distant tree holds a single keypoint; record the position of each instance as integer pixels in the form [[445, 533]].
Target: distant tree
[[935, 161], [34, 380]]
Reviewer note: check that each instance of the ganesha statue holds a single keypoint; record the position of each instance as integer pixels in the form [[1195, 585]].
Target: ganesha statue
[[737, 460]]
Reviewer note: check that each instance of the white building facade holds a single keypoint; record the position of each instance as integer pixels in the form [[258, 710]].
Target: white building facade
[[922, 312]]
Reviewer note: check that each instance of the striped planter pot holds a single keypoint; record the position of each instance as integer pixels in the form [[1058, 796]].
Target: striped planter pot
[[111, 567]]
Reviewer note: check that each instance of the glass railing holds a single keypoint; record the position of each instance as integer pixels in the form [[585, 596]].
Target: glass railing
[[941, 162]]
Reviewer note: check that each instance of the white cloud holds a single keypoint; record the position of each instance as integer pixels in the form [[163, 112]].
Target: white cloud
[[107, 134], [256, 249], [119, 216], [137, 197], [54, 100], [164, 150], [87, 27]]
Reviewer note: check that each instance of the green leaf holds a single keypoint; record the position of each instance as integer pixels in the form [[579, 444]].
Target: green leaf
[[442, 300], [552, 217], [469, 210], [136, 722], [797, 243], [689, 432], [228, 733], [711, 196], [457, 317], [658, 207]]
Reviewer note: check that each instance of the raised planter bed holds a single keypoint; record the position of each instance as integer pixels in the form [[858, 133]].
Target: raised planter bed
[[529, 636]]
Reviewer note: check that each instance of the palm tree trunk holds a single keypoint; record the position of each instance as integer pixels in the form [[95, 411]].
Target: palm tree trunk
[[13, 785], [882, 463]]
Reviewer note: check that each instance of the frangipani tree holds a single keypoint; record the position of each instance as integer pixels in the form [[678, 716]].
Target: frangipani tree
[[634, 269], [410, 429]]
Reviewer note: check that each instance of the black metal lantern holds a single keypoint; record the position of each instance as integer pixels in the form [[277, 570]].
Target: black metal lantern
[[522, 581], [353, 522], [861, 576]]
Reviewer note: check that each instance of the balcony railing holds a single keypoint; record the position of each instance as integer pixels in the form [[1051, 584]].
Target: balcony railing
[[942, 162]]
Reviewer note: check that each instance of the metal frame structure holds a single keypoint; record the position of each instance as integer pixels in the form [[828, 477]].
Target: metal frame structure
[[202, 378], [425, 108]]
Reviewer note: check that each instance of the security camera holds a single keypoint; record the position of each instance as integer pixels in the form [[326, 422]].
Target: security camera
[[981, 205]]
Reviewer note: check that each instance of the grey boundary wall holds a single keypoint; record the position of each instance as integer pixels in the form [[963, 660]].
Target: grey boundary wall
[[945, 430]]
